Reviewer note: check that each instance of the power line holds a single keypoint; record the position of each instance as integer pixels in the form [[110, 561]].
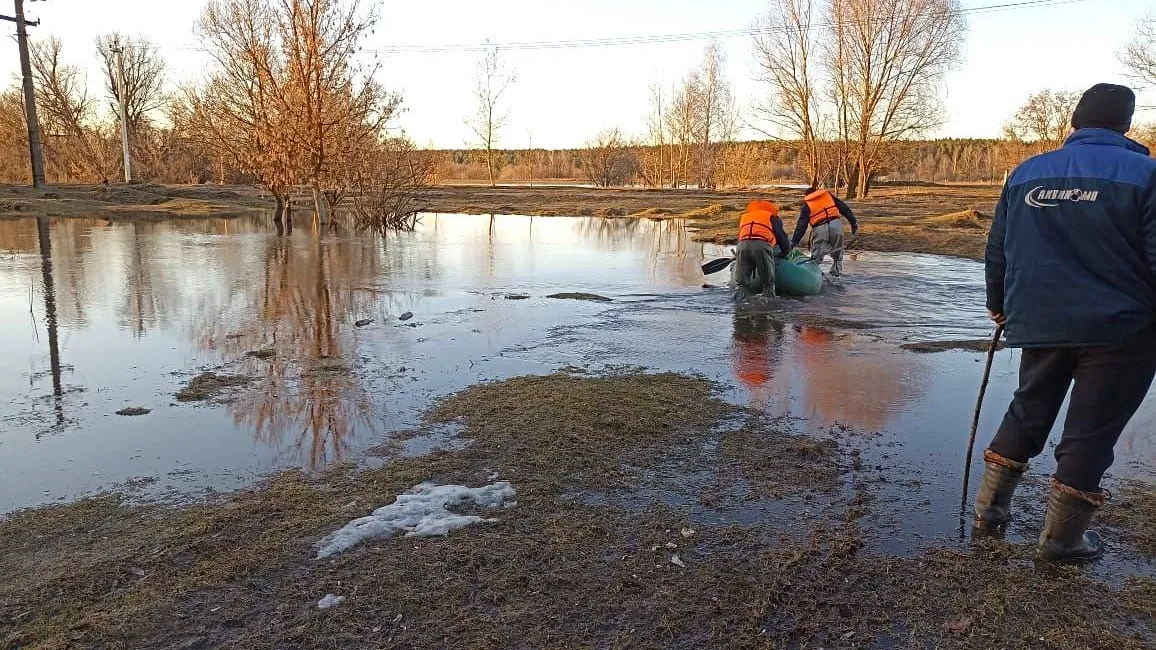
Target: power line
[[669, 38]]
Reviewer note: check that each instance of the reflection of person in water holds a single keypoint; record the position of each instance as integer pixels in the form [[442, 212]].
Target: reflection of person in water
[[757, 338]]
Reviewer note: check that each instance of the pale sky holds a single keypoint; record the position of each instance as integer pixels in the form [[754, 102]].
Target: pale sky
[[564, 96]]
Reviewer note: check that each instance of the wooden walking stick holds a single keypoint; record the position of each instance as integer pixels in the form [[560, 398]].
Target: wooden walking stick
[[975, 418]]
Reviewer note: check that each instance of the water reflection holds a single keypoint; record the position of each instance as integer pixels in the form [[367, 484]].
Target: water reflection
[[756, 350], [857, 389], [132, 310], [44, 239], [309, 403]]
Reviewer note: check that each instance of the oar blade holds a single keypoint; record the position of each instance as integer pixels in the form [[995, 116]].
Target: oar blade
[[714, 266]]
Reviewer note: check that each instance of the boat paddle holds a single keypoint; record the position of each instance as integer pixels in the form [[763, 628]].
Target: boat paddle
[[714, 266], [975, 418]]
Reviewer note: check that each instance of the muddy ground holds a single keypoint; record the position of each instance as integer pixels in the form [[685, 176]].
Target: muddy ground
[[939, 219], [138, 201], [617, 539]]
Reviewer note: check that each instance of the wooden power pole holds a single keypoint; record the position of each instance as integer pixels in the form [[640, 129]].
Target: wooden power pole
[[120, 95], [35, 149]]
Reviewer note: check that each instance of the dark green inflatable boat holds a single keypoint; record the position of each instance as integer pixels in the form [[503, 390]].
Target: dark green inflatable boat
[[795, 275]]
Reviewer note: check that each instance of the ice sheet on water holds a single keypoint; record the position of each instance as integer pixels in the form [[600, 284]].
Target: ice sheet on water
[[422, 511]]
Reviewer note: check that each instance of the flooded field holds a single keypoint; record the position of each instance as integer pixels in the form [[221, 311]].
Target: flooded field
[[122, 316], [785, 472]]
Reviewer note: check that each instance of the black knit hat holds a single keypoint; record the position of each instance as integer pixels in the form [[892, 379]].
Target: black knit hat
[[1105, 106]]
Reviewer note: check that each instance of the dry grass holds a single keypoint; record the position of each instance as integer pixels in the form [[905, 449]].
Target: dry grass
[[554, 571], [1133, 511], [208, 385], [144, 201]]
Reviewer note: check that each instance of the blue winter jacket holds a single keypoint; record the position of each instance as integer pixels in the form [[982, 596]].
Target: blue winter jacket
[[1071, 257]]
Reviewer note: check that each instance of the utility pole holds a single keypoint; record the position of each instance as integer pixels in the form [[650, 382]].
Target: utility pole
[[121, 91], [35, 150]]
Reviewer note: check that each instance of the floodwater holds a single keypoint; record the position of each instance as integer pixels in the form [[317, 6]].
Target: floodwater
[[101, 316]]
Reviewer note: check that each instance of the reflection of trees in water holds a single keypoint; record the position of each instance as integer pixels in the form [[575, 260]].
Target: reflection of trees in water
[[664, 243], [310, 401]]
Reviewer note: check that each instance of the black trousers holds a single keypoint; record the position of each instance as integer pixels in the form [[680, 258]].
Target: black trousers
[[1110, 383], [755, 266]]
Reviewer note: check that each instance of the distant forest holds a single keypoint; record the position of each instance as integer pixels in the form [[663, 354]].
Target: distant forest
[[744, 164]]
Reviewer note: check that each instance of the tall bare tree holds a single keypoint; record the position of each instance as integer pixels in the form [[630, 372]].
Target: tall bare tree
[[785, 50], [67, 114], [653, 156], [682, 126], [492, 81], [1045, 118], [144, 76], [715, 119], [287, 99], [892, 55], [1139, 55]]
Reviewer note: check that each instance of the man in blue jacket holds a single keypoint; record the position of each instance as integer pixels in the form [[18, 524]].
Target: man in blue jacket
[[1071, 272]]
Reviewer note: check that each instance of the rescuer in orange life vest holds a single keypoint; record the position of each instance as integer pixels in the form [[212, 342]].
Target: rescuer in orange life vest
[[760, 232], [821, 211]]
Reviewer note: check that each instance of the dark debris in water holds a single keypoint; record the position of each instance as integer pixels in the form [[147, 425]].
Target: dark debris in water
[[406, 316], [970, 345], [133, 410], [363, 322], [589, 297], [208, 385]]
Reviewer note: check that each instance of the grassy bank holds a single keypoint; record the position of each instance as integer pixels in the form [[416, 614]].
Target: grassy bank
[[946, 220], [613, 542]]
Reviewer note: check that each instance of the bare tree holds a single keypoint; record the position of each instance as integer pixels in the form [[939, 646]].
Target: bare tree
[[1139, 55], [892, 54], [287, 100], [785, 47], [682, 126], [67, 115], [144, 76], [715, 112], [607, 159], [653, 155], [386, 187], [1045, 118], [490, 116]]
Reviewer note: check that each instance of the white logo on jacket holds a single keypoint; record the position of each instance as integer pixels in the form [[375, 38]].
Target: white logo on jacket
[[1042, 197]]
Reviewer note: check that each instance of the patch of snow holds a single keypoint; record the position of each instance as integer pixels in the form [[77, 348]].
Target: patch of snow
[[330, 601], [677, 561], [420, 512]]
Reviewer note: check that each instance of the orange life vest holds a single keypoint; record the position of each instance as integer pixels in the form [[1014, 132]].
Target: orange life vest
[[822, 206], [756, 222]]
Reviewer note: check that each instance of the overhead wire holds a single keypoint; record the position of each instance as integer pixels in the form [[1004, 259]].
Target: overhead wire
[[616, 41], [674, 38]]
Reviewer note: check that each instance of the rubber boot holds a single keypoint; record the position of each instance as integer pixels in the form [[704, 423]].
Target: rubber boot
[[993, 501], [1066, 537]]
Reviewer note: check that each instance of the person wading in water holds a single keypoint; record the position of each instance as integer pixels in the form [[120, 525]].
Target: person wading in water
[[1071, 273], [821, 211], [760, 232]]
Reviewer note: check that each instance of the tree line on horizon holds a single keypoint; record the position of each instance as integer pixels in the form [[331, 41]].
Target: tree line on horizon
[[291, 103]]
